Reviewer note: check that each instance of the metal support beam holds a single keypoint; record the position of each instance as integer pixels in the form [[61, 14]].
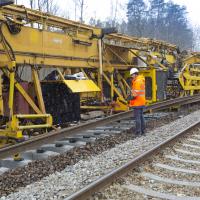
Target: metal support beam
[[114, 88], [124, 81], [100, 73], [27, 98], [121, 85], [11, 93], [123, 60], [1, 96], [112, 85], [38, 90], [11, 66], [25, 95]]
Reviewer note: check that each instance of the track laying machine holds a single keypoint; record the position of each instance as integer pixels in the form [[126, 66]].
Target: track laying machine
[[52, 68]]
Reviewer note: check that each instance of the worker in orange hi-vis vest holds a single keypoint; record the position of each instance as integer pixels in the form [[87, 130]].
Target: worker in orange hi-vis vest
[[137, 100]]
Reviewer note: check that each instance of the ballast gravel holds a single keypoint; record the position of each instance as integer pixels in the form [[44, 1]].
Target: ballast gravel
[[166, 181], [61, 184]]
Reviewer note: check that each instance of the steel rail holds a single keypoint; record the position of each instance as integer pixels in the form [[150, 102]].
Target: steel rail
[[63, 133], [109, 178]]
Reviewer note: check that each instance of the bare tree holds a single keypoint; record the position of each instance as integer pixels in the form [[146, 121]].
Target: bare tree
[[196, 38], [48, 6], [114, 10], [81, 2], [81, 6], [31, 3], [75, 9]]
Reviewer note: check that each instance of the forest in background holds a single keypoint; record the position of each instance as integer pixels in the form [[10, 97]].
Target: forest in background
[[156, 19]]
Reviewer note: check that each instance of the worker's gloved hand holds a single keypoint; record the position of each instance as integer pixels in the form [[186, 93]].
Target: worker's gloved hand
[[133, 92], [130, 97]]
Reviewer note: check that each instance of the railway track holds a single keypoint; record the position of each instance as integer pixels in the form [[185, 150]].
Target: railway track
[[57, 177], [170, 170], [51, 137], [114, 131], [55, 143]]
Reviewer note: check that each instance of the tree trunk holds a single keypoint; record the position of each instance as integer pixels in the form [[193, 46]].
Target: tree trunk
[[82, 7]]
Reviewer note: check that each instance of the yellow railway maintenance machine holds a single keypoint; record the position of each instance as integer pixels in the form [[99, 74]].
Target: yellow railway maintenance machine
[[34, 45], [168, 73], [152, 57]]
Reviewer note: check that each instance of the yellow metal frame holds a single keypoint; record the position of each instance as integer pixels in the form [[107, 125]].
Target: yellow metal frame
[[15, 124], [38, 90], [78, 47], [13, 128], [151, 73], [189, 77], [1, 96]]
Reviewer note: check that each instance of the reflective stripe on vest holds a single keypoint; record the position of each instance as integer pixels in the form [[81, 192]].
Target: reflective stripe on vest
[[139, 92]]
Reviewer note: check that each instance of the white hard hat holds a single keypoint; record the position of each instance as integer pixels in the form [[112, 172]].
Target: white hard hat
[[133, 71]]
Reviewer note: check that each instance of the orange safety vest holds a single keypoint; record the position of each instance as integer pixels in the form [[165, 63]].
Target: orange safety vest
[[138, 91]]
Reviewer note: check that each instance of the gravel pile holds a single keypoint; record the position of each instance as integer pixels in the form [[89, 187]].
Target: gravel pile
[[72, 178]]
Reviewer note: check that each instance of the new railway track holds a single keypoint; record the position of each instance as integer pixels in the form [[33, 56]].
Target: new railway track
[[170, 170]]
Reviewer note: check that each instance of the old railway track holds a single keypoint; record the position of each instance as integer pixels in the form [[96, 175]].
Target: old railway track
[[51, 137], [170, 170]]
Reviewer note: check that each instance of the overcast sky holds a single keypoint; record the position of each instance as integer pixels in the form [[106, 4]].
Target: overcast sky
[[101, 9]]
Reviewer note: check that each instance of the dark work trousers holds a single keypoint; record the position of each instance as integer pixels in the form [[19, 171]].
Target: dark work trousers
[[139, 119]]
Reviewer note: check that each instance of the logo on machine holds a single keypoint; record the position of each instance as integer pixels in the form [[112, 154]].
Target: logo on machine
[[57, 41]]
